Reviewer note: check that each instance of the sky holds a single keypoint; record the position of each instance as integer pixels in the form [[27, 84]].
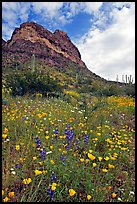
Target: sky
[[104, 32]]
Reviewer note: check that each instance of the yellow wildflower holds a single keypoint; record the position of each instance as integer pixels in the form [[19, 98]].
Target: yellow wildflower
[[72, 192], [39, 115], [87, 160], [113, 158], [51, 147], [47, 132], [109, 188], [17, 147], [22, 159], [44, 171], [52, 161], [5, 199], [129, 141], [124, 148], [99, 158], [34, 158], [113, 195], [94, 164], [115, 154], [4, 136], [90, 151], [110, 166], [90, 156], [2, 192], [104, 170], [40, 163], [107, 140], [98, 134], [53, 188], [27, 181], [106, 158], [47, 137], [81, 159], [54, 184], [11, 194], [37, 172], [89, 197], [5, 130]]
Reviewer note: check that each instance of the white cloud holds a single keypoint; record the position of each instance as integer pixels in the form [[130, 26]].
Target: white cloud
[[13, 14], [52, 14], [112, 51], [24, 10], [7, 30], [88, 7], [92, 6], [48, 9]]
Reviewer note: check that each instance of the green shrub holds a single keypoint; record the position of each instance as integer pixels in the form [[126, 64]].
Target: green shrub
[[31, 82], [130, 90]]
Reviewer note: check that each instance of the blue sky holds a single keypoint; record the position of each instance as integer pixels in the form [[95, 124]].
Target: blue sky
[[104, 32]]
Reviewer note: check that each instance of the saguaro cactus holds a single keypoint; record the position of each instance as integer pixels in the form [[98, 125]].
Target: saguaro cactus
[[33, 63], [117, 78], [126, 78], [123, 79]]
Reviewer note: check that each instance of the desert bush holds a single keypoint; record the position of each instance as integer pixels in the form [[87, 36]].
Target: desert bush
[[29, 82]]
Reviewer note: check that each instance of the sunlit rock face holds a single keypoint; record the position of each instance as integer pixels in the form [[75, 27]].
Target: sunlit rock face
[[55, 49]]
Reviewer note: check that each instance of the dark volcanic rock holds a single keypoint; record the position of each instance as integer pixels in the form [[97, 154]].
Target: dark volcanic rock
[[3, 43], [54, 49]]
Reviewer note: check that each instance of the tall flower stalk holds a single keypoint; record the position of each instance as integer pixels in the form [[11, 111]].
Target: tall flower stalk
[[69, 135]]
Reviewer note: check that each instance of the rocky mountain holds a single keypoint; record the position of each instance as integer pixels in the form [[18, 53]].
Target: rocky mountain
[[54, 49]]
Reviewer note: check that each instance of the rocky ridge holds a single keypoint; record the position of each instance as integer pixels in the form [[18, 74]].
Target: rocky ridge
[[55, 49]]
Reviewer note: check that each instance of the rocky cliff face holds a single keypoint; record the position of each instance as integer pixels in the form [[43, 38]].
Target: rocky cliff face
[[55, 48]]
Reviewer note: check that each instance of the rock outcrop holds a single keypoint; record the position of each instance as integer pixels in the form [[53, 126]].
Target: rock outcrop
[[55, 49]]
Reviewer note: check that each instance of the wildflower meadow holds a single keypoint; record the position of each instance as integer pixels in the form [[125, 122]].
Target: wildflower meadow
[[77, 151]]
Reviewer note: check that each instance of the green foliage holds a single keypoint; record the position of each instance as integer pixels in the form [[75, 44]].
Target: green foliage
[[129, 90], [34, 76], [28, 82]]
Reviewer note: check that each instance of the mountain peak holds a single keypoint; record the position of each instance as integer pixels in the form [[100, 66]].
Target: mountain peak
[[61, 33], [51, 48]]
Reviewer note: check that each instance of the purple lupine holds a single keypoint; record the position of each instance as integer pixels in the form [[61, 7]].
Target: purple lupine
[[56, 134], [50, 192], [77, 144], [68, 126], [23, 117], [17, 166], [53, 177], [43, 153], [86, 139], [69, 135], [63, 159], [38, 142]]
